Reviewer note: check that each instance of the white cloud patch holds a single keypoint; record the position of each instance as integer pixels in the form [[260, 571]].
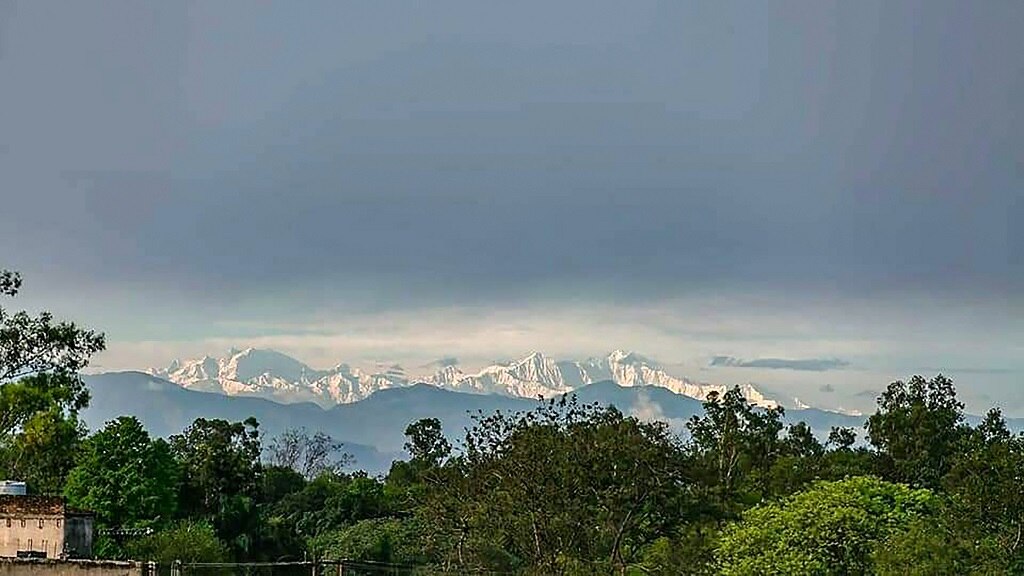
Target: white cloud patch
[[646, 410]]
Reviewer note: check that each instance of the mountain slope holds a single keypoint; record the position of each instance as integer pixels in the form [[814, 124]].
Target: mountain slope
[[372, 429]]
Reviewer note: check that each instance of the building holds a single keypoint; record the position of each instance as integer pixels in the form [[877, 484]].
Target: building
[[42, 527]]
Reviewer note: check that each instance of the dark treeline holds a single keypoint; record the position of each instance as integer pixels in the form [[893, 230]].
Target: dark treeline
[[564, 489]]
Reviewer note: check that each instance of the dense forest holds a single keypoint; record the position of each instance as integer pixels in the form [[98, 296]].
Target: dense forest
[[568, 488]]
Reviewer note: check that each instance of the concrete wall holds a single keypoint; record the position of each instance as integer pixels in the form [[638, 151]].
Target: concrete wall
[[18, 567], [35, 533]]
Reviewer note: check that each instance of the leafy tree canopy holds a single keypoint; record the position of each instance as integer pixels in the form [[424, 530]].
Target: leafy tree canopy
[[128, 479], [832, 528], [916, 430]]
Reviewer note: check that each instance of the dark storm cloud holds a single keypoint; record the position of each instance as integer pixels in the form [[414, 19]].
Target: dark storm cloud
[[808, 365], [857, 146]]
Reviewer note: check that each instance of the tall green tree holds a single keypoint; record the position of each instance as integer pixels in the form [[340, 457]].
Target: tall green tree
[[425, 442], [984, 487], [43, 452], [916, 430], [564, 487], [218, 458], [127, 478], [221, 478], [733, 447], [40, 392]]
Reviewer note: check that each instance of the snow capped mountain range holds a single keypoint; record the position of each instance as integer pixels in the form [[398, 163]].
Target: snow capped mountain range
[[276, 376]]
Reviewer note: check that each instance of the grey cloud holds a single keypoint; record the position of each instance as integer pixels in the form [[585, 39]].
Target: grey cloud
[[971, 370], [845, 147], [810, 364], [447, 361]]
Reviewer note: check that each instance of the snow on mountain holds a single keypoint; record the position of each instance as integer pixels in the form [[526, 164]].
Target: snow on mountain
[[533, 376], [276, 376]]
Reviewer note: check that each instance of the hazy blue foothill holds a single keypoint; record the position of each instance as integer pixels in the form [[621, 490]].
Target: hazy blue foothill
[[372, 429]]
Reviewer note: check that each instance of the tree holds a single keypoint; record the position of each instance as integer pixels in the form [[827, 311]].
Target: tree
[[931, 546], [832, 528], [916, 430], [310, 455], [426, 443], [20, 401], [332, 501], [561, 486], [218, 458], [220, 466], [733, 447], [800, 461], [40, 392], [125, 477], [38, 344], [43, 452], [983, 483], [841, 438]]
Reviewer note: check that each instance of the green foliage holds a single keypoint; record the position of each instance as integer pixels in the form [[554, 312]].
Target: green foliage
[[984, 485], [388, 540], [931, 547], [219, 459], [733, 448], [40, 392], [221, 471], [916, 430], [566, 489], [20, 401], [426, 442], [187, 541], [279, 482], [43, 452], [125, 477], [39, 344], [563, 483], [832, 528]]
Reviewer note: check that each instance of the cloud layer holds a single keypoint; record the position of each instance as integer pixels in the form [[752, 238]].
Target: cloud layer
[[479, 156], [360, 181], [808, 364]]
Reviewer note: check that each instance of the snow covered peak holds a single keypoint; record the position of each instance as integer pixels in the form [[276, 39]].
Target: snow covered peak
[[273, 375], [632, 358], [251, 363], [618, 356]]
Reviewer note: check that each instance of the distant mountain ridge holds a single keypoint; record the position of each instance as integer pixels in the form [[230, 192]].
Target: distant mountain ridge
[[281, 378], [372, 428]]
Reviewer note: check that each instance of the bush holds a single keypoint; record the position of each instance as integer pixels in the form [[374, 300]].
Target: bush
[[379, 540], [188, 541]]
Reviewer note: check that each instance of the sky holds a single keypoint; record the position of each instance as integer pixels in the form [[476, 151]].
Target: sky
[[818, 197]]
